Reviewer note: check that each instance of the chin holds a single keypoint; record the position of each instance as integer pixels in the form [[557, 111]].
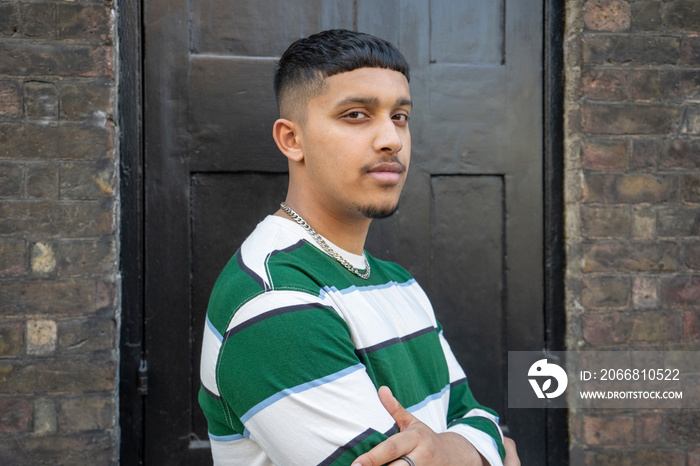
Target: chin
[[378, 212]]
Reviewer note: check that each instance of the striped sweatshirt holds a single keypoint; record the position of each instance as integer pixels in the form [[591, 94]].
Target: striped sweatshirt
[[295, 347]]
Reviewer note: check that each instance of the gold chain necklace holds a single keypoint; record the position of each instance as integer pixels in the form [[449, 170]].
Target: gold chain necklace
[[321, 242]]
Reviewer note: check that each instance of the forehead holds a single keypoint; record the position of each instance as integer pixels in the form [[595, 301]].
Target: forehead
[[383, 85]]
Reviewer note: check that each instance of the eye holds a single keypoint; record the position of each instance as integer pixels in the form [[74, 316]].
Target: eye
[[356, 115], [400, 117]]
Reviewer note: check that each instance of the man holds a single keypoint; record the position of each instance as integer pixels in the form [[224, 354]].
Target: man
[[303, 326]]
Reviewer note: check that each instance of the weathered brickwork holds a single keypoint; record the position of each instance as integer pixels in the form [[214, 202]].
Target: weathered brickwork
[[58, 233], [632, 124]]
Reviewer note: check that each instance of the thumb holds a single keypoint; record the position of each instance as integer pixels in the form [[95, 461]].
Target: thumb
[[402, 417]]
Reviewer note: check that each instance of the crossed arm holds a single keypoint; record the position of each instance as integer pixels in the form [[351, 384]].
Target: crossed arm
[[422, 445]]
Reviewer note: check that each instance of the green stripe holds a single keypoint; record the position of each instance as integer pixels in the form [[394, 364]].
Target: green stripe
[[461, 401], [216, 420], [488, 427], [264, 359], [414, 369]]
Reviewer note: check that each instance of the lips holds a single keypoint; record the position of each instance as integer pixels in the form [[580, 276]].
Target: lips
[[387, 172]]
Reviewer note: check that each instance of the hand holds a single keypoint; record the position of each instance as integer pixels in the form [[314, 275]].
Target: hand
[[511, 455], [419, 442]]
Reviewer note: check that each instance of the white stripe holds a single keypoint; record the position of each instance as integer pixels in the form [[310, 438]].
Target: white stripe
[[483, 442], [376, 314], [456, 371], [269, 301], [485, 414], [266, 237], [298, 389], [433, 410], [334, 413], [211, 343], [241, 452]]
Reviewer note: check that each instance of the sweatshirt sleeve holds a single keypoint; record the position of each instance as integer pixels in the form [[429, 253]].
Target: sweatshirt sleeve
[[466, 417]]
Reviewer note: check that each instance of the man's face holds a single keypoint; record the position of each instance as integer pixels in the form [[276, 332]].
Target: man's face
[[356, 143]]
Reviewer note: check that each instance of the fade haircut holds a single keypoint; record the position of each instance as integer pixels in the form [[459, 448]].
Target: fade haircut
[[304, 66]]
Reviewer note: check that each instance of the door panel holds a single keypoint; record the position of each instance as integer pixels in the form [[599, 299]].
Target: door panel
[[469, 227]]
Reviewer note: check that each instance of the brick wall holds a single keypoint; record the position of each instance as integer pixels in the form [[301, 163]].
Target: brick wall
[[58, 295], [633, 207]]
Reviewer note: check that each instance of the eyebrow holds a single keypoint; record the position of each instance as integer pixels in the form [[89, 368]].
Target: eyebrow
[[372, 101]]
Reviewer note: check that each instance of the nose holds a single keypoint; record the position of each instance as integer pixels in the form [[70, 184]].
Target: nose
[[389, 137]]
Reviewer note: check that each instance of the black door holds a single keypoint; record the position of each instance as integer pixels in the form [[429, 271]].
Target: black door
[[470, 223]]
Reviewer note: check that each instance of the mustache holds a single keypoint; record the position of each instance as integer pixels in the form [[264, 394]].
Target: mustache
[[386, 160]]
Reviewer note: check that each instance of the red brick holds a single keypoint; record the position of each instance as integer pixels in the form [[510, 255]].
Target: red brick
[[631, 49], [72, 297], [680, 153], [41, 100], [606, 293], [682, 15], [692, 255], [57, 219], [9, 19], [93, 448], [603, 329], [694, 458], [13, 258], [605, 222], [608, 430], [644, 85], [679, 221], [644, 153], [42, 181], [657, 327], [11, 339], [602, 84], [635, 457], [646, 16], [680, 85], [682, 428], [681, 291], [632, 188], [10, 98], [15, 416], [634, 256], [86, 334], [691, 326], [605, 155], [647, 429], [62, 142], [83, 22], [628, 119], [64, 376], [85, 413], [92, 180], [11, 180], [86, 258], [86, 100], [607, 15], [39, 20], [690, 50], [30, 58]]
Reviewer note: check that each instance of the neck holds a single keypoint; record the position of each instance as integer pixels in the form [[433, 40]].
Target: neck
[[347, 233]]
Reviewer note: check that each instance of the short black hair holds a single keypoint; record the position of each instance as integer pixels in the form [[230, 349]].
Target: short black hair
[[308, 61]]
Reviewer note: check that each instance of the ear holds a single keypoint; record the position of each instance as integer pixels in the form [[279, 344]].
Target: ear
[[287, 136]]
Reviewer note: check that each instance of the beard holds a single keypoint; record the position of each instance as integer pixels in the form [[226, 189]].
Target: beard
[[378, 212]]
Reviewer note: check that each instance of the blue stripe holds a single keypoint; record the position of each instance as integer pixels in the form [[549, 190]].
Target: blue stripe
[[226, 438], [327, 290], [433, 397], [298, 389], [214, 330]]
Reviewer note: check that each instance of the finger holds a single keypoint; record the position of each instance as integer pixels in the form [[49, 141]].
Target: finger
[[402, 417], [390, 449]]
